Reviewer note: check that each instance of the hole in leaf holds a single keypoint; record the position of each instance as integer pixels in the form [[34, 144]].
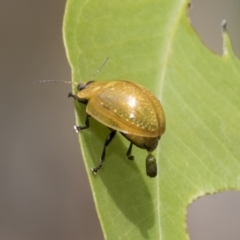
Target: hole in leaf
[[206, 17], [215, 217]]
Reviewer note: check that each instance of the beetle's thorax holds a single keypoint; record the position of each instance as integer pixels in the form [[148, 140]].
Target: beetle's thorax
[[89, 89]]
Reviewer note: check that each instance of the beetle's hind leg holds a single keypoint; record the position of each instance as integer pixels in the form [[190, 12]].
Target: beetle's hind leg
[[129, 152], [79, 128], [107, 141]]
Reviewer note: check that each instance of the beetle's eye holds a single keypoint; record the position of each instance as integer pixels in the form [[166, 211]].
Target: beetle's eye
[[82, 86]]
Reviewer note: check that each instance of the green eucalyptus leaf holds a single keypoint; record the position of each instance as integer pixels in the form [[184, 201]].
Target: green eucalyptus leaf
[[152, 42]]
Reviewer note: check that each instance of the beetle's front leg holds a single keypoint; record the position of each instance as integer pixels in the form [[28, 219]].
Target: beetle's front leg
[[73, 96], [79, 128]]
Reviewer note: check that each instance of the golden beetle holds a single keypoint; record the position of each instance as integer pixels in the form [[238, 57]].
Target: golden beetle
[[128, 108]]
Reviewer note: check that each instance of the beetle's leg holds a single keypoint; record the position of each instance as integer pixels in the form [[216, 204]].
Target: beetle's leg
[[129, 151], [79, 128], [107, 141], [73, 96], [76, 98]]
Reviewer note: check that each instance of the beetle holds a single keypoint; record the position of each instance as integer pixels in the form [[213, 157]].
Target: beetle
[[125, 107]]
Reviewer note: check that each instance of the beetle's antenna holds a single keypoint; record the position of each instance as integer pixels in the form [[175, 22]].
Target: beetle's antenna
[[49, 81], [100, 68]]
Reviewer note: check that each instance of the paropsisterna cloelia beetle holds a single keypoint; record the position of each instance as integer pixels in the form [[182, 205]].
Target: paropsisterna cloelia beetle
[[124, 107]]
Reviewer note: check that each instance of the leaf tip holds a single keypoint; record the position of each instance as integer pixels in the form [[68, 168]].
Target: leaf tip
[[227, 45], [224, 25]]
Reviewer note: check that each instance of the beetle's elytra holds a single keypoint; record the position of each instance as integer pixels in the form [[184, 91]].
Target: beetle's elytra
[[128, 108]]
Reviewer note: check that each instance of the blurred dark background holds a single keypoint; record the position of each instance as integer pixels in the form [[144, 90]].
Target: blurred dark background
[[44, 191]]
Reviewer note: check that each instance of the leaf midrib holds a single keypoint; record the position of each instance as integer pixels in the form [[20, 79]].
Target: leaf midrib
[[171, 29]]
